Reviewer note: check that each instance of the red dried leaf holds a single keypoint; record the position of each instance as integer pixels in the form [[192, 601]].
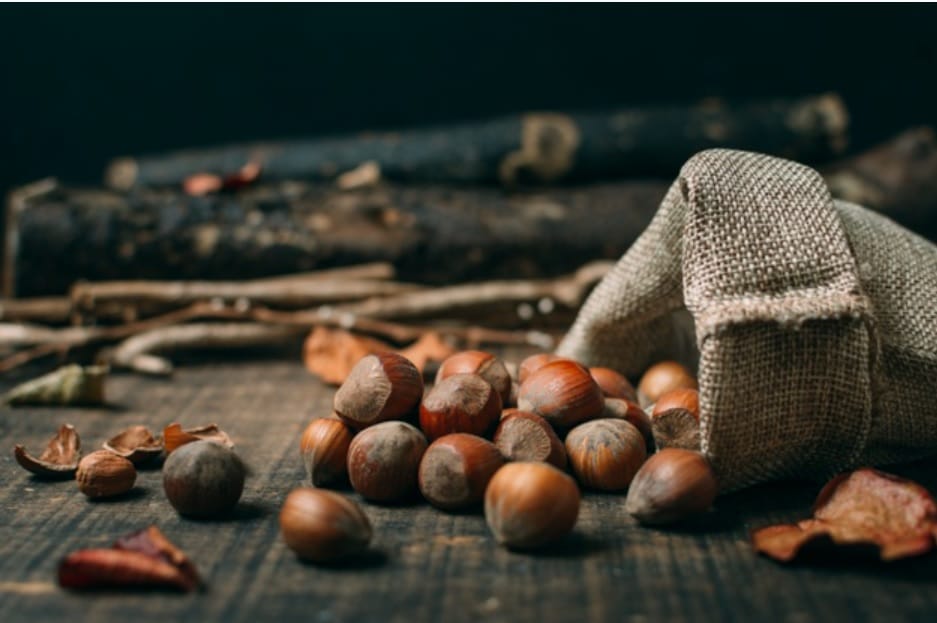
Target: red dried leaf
[[58, 460], [862, 510], [144, 558], [430, 347]]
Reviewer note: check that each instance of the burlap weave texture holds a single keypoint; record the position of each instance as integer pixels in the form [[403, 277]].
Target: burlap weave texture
[[815, 320]]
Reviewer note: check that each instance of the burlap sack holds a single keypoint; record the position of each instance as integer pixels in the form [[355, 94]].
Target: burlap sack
[[815, 320]]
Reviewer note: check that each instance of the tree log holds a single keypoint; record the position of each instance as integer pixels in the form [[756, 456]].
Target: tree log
[[432, 235], [526, 148]]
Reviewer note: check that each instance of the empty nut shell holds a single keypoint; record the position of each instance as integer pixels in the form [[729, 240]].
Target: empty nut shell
[[323, 526]]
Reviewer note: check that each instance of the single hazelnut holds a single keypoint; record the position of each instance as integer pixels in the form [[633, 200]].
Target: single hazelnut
[[523, 436], [383, 461], [605, 454], [481, 363], [534, 363], [528, 505], [455, 470], [563, 393], [324, 447], [322, 526], [682, 398], [632, 413], [103, 474], [672, 485], [664, 377], [676, 428], [383, 386], [203, 479], [461, 403], [613, 384]]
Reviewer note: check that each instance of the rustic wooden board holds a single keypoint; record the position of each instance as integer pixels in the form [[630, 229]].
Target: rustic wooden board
[[425, 565]]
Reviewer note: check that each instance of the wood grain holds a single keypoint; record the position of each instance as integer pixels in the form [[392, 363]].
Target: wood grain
[[424, 565]]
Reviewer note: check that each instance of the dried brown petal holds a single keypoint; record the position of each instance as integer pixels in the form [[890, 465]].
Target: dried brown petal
[[330, 354], [137, 444], [174, 436], [429, 348], [58, 460], [144, 558], [865, 510]]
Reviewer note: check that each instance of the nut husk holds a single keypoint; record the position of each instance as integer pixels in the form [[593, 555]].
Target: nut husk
[[58, 460], [136, 444]]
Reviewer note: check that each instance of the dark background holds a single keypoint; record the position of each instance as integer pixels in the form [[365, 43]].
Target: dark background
[[82, 84]]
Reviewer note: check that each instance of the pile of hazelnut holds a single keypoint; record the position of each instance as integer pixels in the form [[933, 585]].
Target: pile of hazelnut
[[477, 437]]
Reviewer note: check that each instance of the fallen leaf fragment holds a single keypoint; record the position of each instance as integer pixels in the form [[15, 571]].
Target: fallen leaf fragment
[[431, 347], [856, 512], [142, 559], [137, 444], [67, 386], [330, 354], [201, 184], [174, 436], [58, 460]]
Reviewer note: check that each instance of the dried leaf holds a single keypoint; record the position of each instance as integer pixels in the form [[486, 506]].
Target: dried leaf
[[865, 510], [429, 348], [137, 444], [364, 175], [145, 558], [330, 354], [58, 460], [201, 184], [69, 385], [174, 436]]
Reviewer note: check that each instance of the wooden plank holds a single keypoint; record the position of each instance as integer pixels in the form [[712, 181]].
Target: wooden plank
[[426, 565]]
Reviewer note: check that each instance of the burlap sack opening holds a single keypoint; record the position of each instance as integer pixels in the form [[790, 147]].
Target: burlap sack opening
[[815, 320]]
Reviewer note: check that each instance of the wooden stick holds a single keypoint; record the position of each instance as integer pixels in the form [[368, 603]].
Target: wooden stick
[[531, 147]]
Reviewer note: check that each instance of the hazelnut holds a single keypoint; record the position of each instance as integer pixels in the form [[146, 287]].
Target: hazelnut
[[682, 398], [203, 479], [676, 428], [528, 505], [383, 386], [523, 436], [632, 413], [672, 485], [664, 377], [605, 454], [322, 526], [455, 470], [481, 363], [613, 384], [461, 403], [103, 474], [324, 447], [534, 363], [383, 461], [562, 392]]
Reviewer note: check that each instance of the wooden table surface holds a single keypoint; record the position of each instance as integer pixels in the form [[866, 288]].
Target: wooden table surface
[[425, 565]]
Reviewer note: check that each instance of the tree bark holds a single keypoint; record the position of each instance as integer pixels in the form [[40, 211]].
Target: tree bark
[[525, 149]]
